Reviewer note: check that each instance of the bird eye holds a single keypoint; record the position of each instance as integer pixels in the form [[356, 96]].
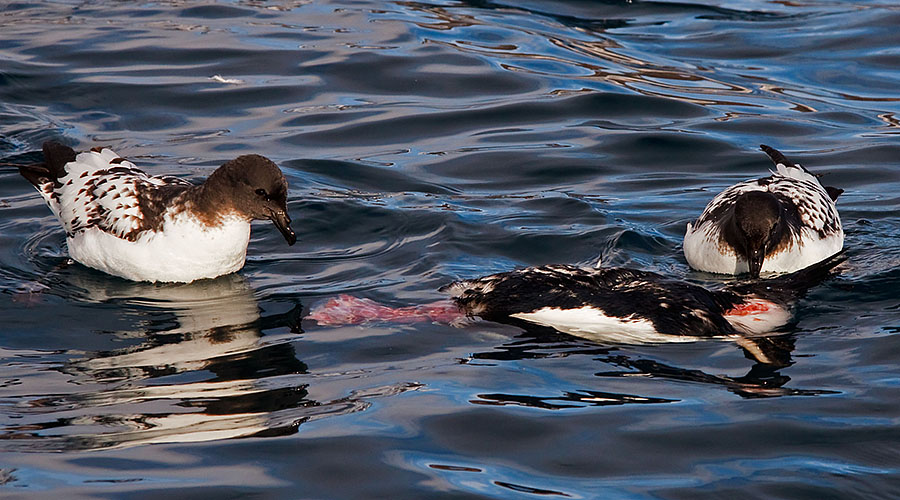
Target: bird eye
[[261, 192]]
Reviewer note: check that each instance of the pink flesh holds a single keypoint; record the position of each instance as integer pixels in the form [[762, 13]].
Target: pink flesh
[[350, 310], [751, 307]]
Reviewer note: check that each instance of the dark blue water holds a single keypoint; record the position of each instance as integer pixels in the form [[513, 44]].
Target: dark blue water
[[424, 142]]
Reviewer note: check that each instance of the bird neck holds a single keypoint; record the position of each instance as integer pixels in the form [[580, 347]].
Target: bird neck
[[209, 201]]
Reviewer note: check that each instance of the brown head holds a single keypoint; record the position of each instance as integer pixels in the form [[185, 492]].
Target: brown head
[[758, 227], [254, 187]]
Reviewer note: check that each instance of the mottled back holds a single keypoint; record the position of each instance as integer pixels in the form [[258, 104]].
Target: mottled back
[[98, 189], [623, 293]]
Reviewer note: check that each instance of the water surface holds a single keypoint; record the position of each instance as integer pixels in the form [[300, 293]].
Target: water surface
[[425, 142]]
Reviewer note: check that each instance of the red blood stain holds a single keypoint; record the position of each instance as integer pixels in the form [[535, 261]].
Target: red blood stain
[[750, 308], [350, 310]]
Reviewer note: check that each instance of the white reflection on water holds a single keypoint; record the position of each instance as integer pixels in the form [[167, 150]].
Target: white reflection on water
[[203, 370]]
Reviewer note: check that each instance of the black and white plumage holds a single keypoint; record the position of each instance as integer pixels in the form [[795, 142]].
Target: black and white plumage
[[633, 306], [780, 223], [124, 222]]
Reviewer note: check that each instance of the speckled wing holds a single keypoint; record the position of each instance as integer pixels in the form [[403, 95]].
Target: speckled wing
[[101, 190], [798, 187], [815, 207]]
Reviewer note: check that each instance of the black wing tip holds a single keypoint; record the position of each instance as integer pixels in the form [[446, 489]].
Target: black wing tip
[[832, 261], [815, 273], [833, 192], [788, 287]]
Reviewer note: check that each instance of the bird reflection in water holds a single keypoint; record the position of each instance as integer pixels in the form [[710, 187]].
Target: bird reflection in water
[[763, 380], [203, 370]]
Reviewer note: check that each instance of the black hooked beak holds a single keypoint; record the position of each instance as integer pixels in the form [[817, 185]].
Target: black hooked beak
[[755, 259], [283, 222]]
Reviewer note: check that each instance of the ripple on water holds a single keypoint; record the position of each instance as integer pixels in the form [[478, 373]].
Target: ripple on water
[[425, 142]]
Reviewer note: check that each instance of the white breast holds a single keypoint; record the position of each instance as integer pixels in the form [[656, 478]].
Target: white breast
[[704, 251], [593, 324], [185, 250]]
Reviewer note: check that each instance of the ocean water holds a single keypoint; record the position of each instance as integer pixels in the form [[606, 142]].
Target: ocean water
[[425, 142]]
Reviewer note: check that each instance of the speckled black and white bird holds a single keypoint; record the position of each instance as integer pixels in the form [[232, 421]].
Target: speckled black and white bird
[[632, 306], [780, 223], [124, 222]]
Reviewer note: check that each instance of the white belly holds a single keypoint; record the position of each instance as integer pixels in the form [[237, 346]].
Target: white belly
[[703, 252], [184, 251], [755, 316], [592, 324]]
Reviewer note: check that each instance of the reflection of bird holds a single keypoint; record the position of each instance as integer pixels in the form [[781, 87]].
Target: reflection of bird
[[127, 223], [627, 305], [194, 326], [761, 381], [780, 223], [203, 370]]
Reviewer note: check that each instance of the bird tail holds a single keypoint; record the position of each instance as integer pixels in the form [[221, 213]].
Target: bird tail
[[793, 170], [791, 286], [55, 154], [37, 174], [786, 167]]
